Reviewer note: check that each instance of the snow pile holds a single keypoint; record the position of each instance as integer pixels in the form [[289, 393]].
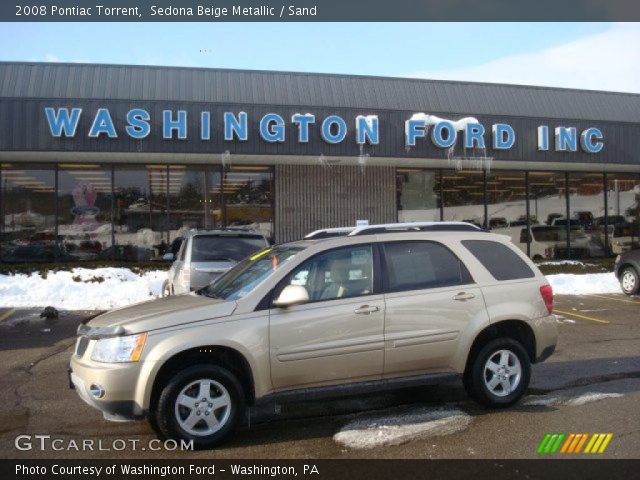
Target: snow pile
[[584, 284], [565, 262], [80, 288], [557, 400], [458, 125], [401, 427]]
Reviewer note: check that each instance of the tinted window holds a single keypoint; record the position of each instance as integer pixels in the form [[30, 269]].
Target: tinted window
[[340, 273], [221, 248], [418, 265], [502, 262]]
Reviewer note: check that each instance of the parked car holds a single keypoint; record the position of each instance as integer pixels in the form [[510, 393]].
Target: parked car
[[585, 219], [552, 216], [350, 314], [627, 270], [205, 255], [498, 222]]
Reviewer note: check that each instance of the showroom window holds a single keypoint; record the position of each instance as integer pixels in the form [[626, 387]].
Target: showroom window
[[194, 198], [84, 210], [463, 196], [140, 213], [418, 196], [506, 200], [248, 200], [548, 209], [28, 214], [586, 207], [623, 206]]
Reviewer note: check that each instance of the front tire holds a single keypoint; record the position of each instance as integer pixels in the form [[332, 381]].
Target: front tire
[[629, 281], [202, 403], [498, 375]]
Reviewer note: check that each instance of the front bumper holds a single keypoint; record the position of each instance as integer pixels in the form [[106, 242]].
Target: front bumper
[[118, 382]]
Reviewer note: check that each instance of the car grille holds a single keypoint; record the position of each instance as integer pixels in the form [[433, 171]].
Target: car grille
[[81, 346]]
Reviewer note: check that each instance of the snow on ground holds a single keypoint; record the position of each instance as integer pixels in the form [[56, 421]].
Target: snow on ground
[[401, 427], [584, 284], [80, 288], [565, 262], [574, 401], [106, 288]]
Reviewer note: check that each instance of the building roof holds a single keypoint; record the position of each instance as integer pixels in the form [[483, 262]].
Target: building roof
[[151, 83]]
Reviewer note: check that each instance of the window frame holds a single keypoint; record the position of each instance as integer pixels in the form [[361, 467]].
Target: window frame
[[385, 267]]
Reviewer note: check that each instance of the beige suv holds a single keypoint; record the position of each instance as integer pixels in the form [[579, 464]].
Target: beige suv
[[377, 308]]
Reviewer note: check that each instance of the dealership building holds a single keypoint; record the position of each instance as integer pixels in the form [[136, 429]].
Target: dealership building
[[113, 162]]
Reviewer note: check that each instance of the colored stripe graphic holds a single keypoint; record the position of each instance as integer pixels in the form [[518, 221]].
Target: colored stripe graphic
[[607, 439], [543, 443], [573, 443], [582, 441]]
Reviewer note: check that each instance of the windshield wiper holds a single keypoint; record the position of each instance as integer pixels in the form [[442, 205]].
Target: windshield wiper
[[205, 291]]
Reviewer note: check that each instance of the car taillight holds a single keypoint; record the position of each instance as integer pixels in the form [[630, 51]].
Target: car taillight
[[547, 295]]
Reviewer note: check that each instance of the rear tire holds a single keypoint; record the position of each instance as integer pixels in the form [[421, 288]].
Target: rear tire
[[203, 403], [629, 281], [498, 375]]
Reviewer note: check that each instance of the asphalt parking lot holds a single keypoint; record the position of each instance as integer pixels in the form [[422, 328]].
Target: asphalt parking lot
[[590, 385]]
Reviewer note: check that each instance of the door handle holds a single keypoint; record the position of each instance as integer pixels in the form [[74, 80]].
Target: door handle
[[463, 296], [366, 309]]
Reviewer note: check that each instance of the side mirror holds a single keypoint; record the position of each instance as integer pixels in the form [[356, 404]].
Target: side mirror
[[168, 257], [292, 295]]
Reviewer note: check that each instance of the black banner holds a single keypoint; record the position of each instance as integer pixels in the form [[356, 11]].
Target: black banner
[[318, 469], [318, 10]]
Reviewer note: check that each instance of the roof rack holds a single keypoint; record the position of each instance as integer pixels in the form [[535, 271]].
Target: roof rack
[[329, 233], [393, 228]]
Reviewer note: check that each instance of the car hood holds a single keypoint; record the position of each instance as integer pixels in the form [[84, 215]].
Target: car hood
[[164, 312]]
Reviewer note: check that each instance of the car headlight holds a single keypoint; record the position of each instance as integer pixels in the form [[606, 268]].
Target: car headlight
[[119, 349]]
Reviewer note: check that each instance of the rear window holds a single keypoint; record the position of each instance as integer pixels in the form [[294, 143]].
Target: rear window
[[502, 262], [224, 248]]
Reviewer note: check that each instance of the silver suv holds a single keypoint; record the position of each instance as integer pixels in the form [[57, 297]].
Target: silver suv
[[380, 307], [204, 255]]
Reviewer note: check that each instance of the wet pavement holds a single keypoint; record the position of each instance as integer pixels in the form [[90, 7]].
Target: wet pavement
[[590, 385]]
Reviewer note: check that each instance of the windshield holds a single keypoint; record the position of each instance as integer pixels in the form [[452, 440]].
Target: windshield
[[224, 248], [246, 275]]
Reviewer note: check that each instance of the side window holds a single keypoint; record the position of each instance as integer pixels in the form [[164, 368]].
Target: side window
[[340, 273], [416, 265], [502, 262]]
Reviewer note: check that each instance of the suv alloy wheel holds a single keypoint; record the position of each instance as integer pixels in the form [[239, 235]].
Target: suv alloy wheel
[[629, 281], [499, 374], [202, 403]]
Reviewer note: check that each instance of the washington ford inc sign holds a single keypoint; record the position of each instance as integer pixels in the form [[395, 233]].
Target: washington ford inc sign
[[443, 133]]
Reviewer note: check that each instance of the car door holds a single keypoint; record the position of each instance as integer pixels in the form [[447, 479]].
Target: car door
[[338, 334], [430, 298]]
